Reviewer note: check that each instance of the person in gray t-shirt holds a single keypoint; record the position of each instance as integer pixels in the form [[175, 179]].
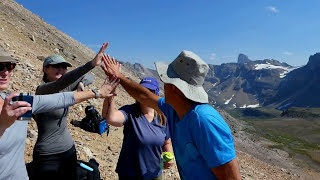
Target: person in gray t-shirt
[[13, 133], [54, 154]]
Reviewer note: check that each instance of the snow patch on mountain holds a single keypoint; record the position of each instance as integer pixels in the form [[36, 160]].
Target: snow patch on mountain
[[244, 106], [227, 101], [253, 106], [286, 70], [213, 85]]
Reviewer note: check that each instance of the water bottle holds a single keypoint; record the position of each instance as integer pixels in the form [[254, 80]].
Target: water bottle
[[166, 157]]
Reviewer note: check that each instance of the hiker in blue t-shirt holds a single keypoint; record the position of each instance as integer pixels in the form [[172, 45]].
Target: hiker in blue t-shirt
[[146, 136], [202, 141]]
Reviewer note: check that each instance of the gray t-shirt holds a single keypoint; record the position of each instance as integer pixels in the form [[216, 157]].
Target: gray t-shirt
[[12, 142], [53, 134]]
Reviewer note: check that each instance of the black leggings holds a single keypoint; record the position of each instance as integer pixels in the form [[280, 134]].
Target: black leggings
[[56, 166]]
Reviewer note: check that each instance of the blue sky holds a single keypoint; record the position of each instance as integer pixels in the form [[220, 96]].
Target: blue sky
[[146, 31]]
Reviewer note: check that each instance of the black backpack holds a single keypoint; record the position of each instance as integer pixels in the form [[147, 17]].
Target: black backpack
[[84, 174], [93, 122]]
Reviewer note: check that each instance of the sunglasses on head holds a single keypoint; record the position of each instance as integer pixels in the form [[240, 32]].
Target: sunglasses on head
[[58, 66], [9, 66]]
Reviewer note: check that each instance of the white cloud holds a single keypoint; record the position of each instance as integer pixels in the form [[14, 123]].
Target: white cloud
[[213, 56], [287, 53], [273, 9]]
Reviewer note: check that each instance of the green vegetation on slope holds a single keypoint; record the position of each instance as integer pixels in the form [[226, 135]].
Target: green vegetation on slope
[[302, 113], [296, 130]]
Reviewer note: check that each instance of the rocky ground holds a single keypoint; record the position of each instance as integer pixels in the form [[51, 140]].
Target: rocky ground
[[28, 38]]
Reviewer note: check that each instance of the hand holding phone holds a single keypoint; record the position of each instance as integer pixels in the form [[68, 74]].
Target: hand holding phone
[[27, 97], [12, 111]]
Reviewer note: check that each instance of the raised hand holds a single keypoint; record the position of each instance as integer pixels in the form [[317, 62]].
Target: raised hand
[[107, 89], [111, 67], [11, 112], [115, 88], [98, 59]]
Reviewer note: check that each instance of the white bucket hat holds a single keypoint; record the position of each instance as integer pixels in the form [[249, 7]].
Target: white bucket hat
[[187, 72]]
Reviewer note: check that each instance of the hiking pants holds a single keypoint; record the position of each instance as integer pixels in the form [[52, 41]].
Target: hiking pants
[[56, 166]]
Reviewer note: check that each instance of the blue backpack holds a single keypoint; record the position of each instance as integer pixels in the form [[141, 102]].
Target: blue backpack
[[93, 122]]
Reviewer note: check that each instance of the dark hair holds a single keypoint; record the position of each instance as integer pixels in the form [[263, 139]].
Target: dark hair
[[160, 115], [44, 78]]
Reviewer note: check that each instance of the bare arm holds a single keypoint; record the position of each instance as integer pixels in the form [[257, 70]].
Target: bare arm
[[109, 111], [82, 96], [111, 114], [228, 171], [138, 92], [167, 147]]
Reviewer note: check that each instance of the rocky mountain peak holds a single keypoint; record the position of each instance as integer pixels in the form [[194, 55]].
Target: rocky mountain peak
[[139, 67], [314, 61], [242, 58]]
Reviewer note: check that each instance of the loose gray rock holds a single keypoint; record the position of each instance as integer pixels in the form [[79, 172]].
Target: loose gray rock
[[32, 134], [32, 38], [86, 138], [87, 152]]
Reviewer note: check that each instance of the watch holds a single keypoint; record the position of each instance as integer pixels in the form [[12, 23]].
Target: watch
[[96, 93]]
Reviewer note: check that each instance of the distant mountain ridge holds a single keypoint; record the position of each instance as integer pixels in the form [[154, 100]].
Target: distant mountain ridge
[[254, 83], [301, 87]]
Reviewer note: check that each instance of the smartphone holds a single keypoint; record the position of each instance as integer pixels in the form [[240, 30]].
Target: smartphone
[[28, 98]]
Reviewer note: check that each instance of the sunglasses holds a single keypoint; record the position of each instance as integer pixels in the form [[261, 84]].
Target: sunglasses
[[153, 91], [8, 66], [58, 66]]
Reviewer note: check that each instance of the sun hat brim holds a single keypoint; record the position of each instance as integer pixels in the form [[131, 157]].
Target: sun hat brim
[[55, 59], [66, 63], [167, 75], [7, 59], [149, 86]]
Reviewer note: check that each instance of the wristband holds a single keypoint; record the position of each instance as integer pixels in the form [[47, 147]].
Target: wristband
[[96, 93]]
